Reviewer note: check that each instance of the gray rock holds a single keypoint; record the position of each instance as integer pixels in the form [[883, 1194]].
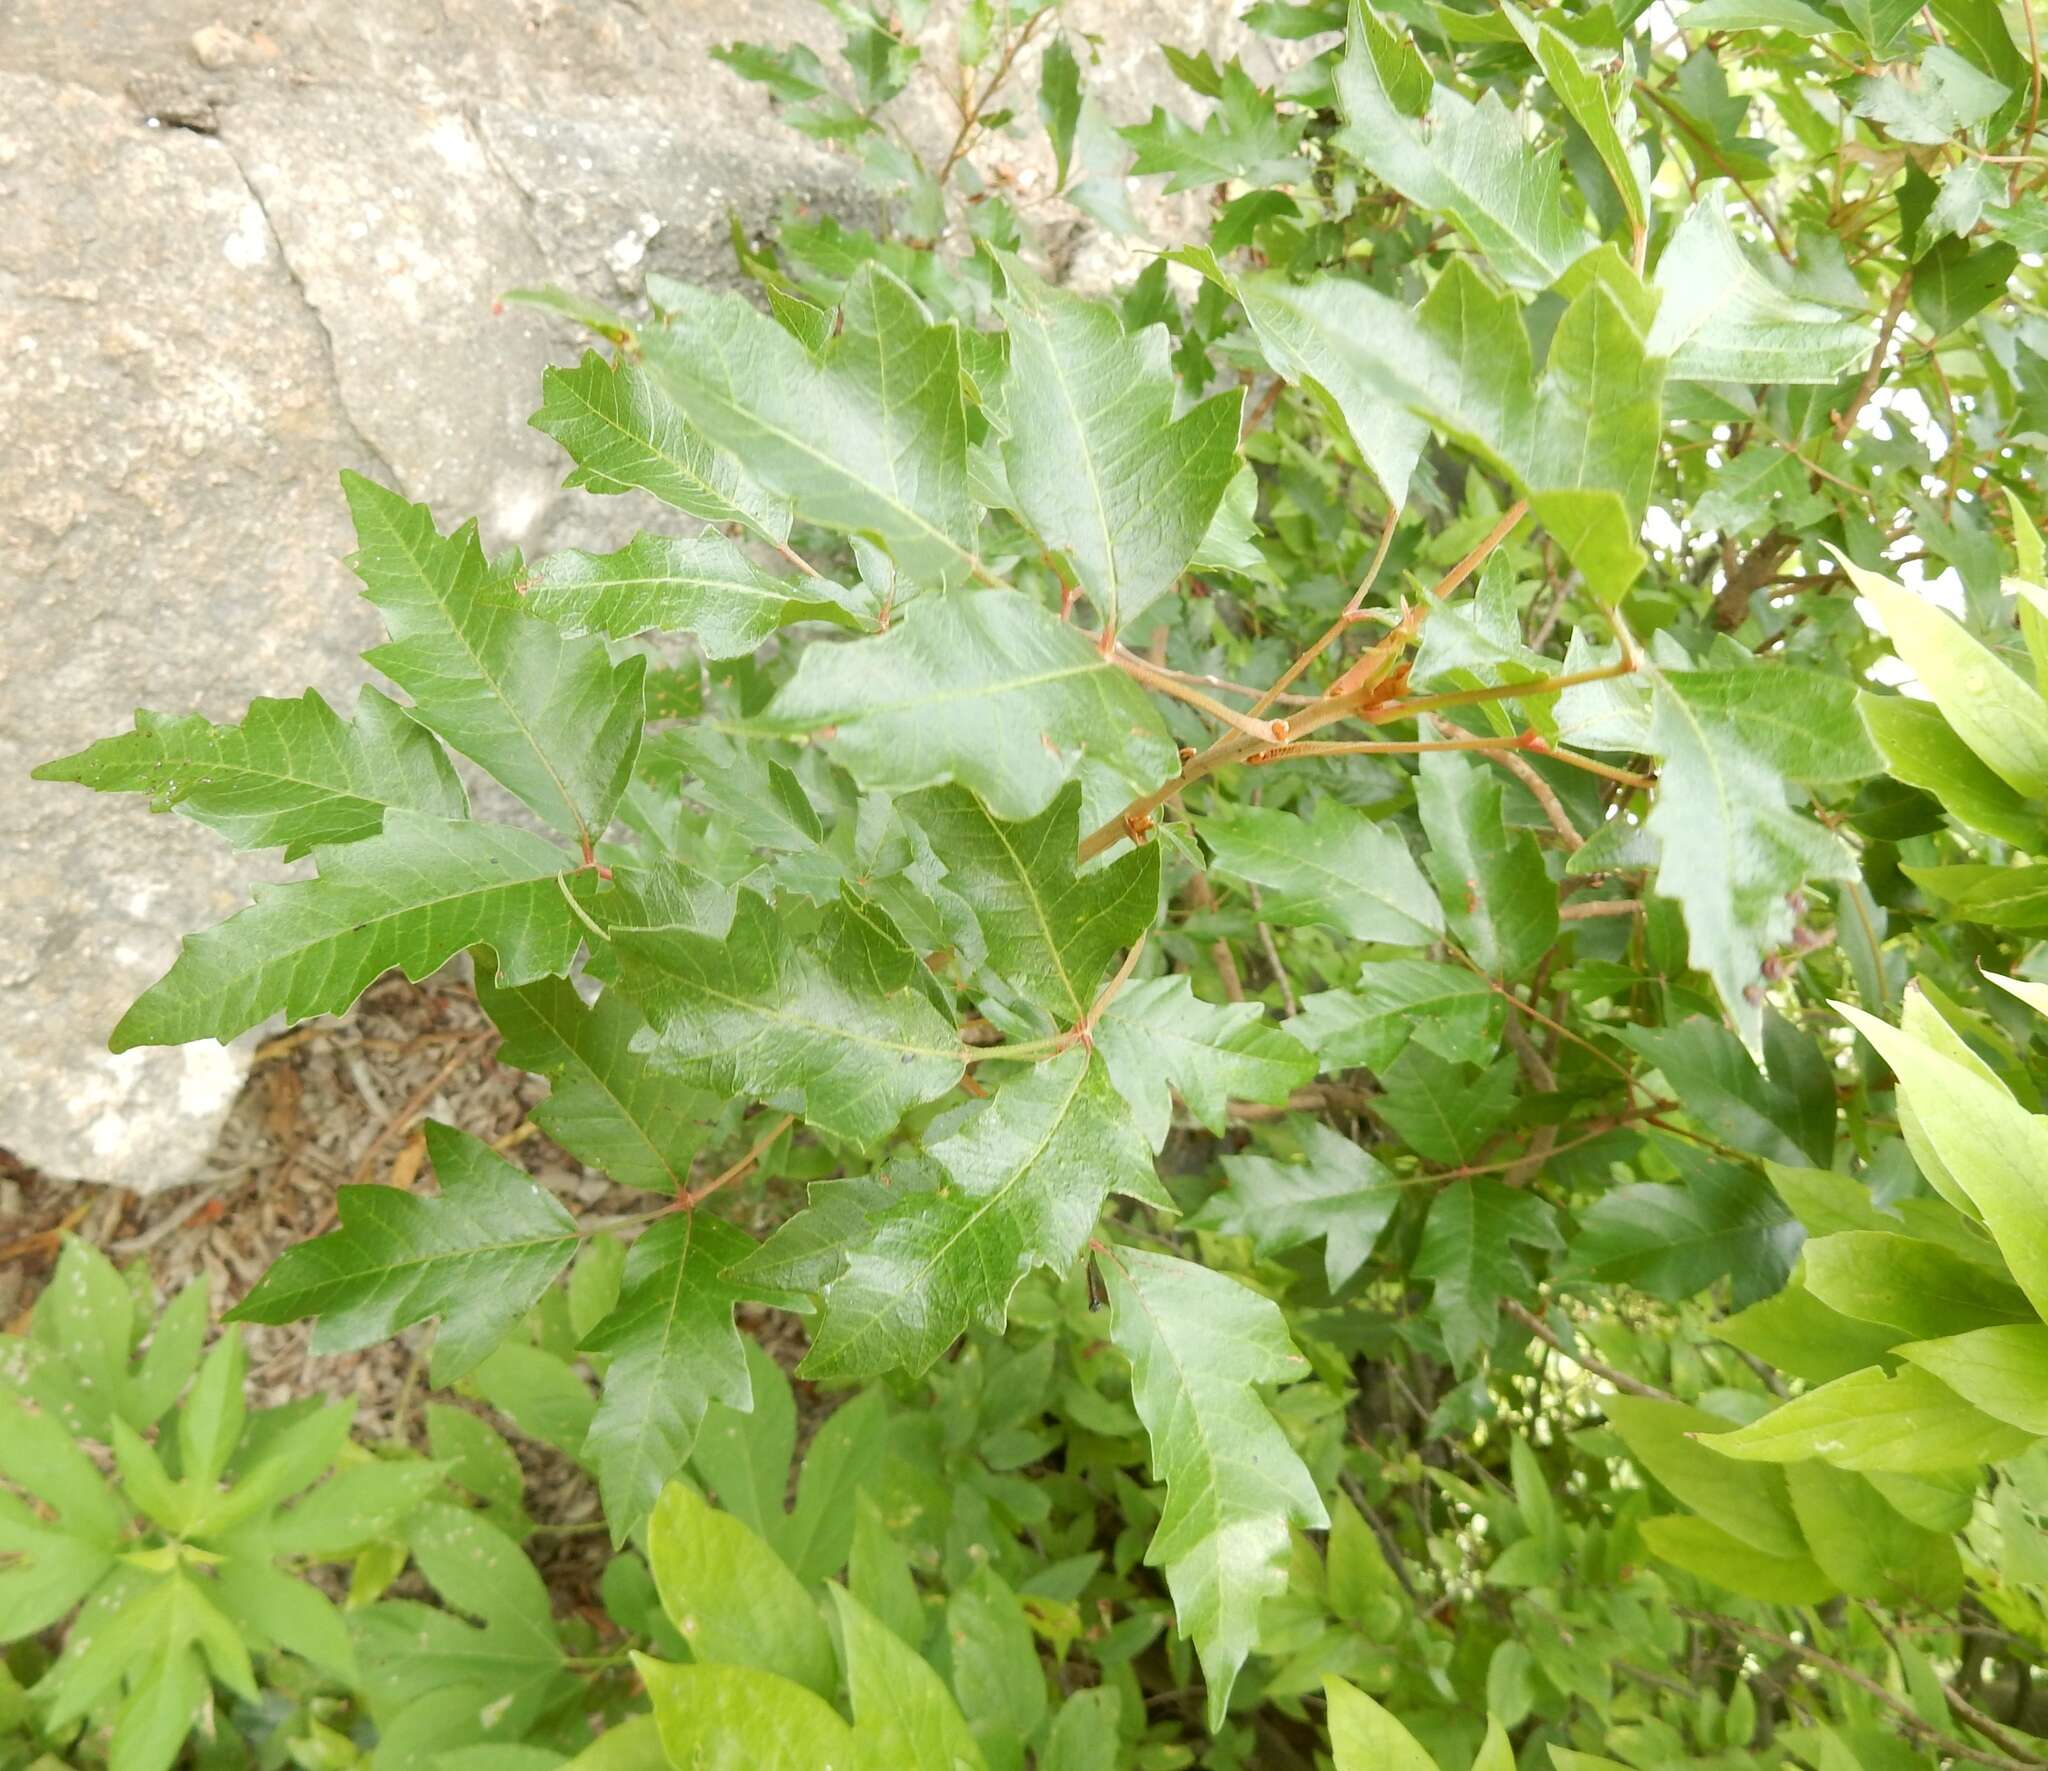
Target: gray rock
[[169, 533]]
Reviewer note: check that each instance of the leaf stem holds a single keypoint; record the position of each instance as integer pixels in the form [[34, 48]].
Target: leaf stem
[[1266, 731], [1336, 627], [695, 1196], [1633, 1386]]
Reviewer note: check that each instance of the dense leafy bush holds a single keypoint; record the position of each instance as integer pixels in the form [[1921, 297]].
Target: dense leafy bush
[[1413, 1073]]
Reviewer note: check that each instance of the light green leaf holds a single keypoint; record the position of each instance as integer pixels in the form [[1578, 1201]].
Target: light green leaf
[[1500, 902], [1336, 868], [608, 1105], [553, 719], [625, 435], [902, 1711], [738, 1718], [836, 1026], [672, 1350], [1749, 1502], [1059, 103], [706, 587], [1910, 1424], [1099, 464], [1598, 104], [1706, 1551], [1471, 163], [1922, 749], [1799, 1334], [1338, 1194], [1722, 319], [412, 897], [989, 690], [2002, 1370], [996, 1672], [1866, 1546], [732, 1598], [1157, 1037], [869, 439], [291, 772], [1918, 1288], [1051, 933], [1996, 714], [478, 1255], [1198, 1342], [1026, 1179], [1364, 1737]]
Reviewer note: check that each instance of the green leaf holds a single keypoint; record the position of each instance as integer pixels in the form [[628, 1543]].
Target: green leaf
[[478, 1255], [1723, 1090], [1996, 714], [1723, 1221], [869, 439], [1919, 1288], [554, 720], [1722, 319], [732, 1598], [1468, 1254], [1730, 851], [836, 1027], [1364, 1737], [1452, 1010], [1499, 901], [608, 1105], [1865, 1546], [1908, 1424], [1051, 932], [1598, 104], [1245, 137], [1099, 464], [1921, 748], [412, 897], [1338, 1194], [1025, 1182], [1059, 104], [737, 1718], [705, 587], [996, 1672], [627, 436], [1085, 1733], [1799, 1334], [1749, 1502], [1315, 334], [1706, 1551], [902, 1711], [672, 1350], [1198, 1342], [1335, 868], [291, 772], [1949, 96], [1470, 163], [1158, 1037], [988, 690], [1437, 1110], [1954, 281], [2002, 1370], [1986, 1144]]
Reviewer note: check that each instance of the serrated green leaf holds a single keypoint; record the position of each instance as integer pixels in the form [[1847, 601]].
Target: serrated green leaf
[[1099, 464], [1440, 1112], [1468, 1254], [290, 772], [608, 1104], [1244, 137], [1336, 868], [1499, 901], [835, 1026], [1722, 319], [705, 587], [1198, 1342], [672, 1350], [1721, 1221], [1469, 162], [1059, 103], [1721, 1087], [625, 435], [1598, 104], [1025, 1182], [1337, 1195], [1158, 1037], [478, 1255], [988, 690], [411, 898], [870, 439], [553, 719], [1051, 932], [1452, 1010]]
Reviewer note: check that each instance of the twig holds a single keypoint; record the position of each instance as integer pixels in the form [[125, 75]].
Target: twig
[[1591, 907], [695, 1196], [1540, 791], [1336, 627], [1875, 371], [417, 1103], [1633, 1386], [1167, 684], [1273, 959]]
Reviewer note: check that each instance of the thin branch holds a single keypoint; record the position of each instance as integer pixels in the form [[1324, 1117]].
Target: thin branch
[[1633, 1386], [689, 1201], [1414, 746], [1591, 907], [1336, 627], [1874, 373], [1132, 665], [1541, 792]]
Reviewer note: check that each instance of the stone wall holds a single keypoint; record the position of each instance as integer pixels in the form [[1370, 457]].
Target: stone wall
[[240, 251]]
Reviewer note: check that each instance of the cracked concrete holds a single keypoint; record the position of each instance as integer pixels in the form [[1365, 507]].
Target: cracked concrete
[[241, 249]]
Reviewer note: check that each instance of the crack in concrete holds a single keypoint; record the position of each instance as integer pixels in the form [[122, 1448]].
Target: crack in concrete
[[391, 474]]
